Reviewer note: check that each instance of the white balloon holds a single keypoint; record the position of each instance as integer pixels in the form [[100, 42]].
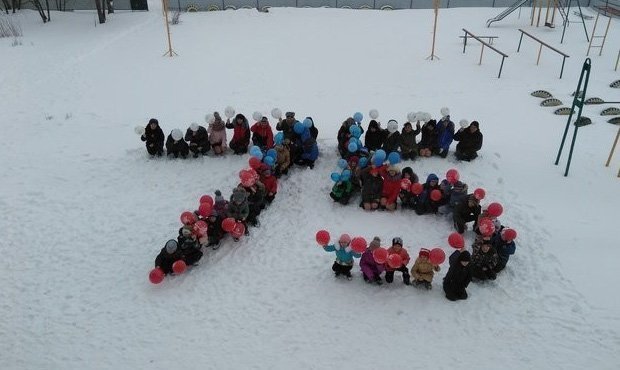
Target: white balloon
[[229, 112], [257, 116], [374, 114], [464, 123], [411, 117], [444, 111], [193, 126], [209, 118], [139, 130], [276, 113], [176, 134], [426, 117]]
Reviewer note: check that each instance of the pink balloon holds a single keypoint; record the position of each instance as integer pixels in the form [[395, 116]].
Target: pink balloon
[[205, 209], [200, 228], [417, 188], [228, 224], [480, 193], [380, 255], [394, 260], [179, 267], [436, 195], [437, 256], [358, 244], [188, 218], [452, 176], [322, 237], [486, 226], [206, 199], [456, 240], [495, 209], [405, 184], [156, 275]]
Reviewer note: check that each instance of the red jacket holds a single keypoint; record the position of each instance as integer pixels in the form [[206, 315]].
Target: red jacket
[[265, 132], [240, 134], [391, 186], [271, 183], [403, 254]]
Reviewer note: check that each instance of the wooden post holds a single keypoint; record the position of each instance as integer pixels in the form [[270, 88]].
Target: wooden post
[[170, 52], [604, 37], [539, 12], [481, 50], [593, 30], [617, 60], [613, 148], [539, 52], [533, 15], [436, 7]]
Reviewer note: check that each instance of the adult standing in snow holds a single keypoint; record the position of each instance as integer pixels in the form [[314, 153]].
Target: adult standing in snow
[[262, 135], [371, 270], [154, 138], [397, 248], [445, 133], [241, 134], [458, 277], [198, 139], [217, 134], [470, 141], [175, 145]]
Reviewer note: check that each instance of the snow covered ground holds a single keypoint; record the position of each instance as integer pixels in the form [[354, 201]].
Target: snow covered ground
[[85, 211]]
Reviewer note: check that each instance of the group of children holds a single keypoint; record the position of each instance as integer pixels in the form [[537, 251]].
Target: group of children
[[298, 140]]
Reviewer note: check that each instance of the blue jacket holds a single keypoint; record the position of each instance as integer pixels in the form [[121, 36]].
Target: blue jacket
[[344, 256], [426, 193], [445, 128], [504, 249], [309, 146]]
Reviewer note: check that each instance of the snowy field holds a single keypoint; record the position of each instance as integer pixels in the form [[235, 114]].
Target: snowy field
[[85, 211]]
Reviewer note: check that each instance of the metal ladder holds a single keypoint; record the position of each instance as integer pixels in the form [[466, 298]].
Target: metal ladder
[[595, 36]]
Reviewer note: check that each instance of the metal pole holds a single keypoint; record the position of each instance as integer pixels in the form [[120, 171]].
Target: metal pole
[[500, 67], [520, 39], [613, 148], [570, 152], [562, 70], [617, 60], [481, 51], [539, 51], [465, 45], [604, 37]]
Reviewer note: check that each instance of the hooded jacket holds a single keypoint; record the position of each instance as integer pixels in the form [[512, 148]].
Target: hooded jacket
[[375, 136], [241, 131], [262, 135], [469, 142], [429, 138], [200, 137], [344, 256], [155, 137], [445, 132]]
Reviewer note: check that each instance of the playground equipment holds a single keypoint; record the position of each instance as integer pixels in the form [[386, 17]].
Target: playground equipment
[[611, 152], [508, 10], [542, 43], [478, 38], [436, 10], [604, 37], [170, 52]]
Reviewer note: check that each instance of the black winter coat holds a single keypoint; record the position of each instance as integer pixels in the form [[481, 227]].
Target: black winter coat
[[464, 213], [457, 278], [408, 142], [371, 187], [179, 147], [154, 137], [374, 138], [165, 260], [469, 143], [200, 138], [429, 137], [392, 142]]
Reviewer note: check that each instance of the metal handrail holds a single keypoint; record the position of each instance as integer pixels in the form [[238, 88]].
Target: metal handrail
[[542, 43], [504, 55]]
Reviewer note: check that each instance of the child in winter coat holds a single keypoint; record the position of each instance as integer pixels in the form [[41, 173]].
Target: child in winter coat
[[190, 248], [445, 133], [466, 212], [168, 255], [241, 134], [217, 134], [458, 194], [371, 270], [341, 191], [425, 203], [262, 135], [375, 136], [484, 261], [238, 207], [283, 160], [392, 140], [314, 132], [310, 150], [215, 233], [470, 142], [505, 247], [344, 256], [287, 127], [423, 270], [397, 248], [428, 142], [198, 139], [372, 185], [256, 201], [458, 277], [344, 134], [408, 145], [154, 138], [270, 182], [407, 198], [220, 204], [391, 188], [353, 163], [176, 146]]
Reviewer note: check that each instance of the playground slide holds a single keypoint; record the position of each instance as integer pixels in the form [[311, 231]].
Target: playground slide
[[509, 10]]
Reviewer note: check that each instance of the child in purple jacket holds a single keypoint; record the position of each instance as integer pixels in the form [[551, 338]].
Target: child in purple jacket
[[371, 270]]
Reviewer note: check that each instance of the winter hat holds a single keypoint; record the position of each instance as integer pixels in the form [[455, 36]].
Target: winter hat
[[153, 120], [217, 117], [432, 177], [290, 114], [344, 238], [424, 253], [373, 124], [218, 196], [408, 170], [264, 119], [397, 240], [475, 123], [392, 126], [464, 256], [376, 242], [186, 231], [171, 246], [459, 187], [239, 195], [193, 126], [444, 111], [393, 169], [213, 213]]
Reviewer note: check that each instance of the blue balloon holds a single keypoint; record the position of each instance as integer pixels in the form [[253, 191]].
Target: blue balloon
[[358, 117], [363, 162], [352, 147], [308, 122], [345, 176], [269, 161], [342, 163], [272, 153], [394, 158], [356, 131], [377, 161], [299, 128], [335, 176], [278, 138], [256, 152], [380, 155]]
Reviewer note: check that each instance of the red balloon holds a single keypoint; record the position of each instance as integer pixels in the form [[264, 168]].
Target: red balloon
[[417, 188], [456, 240], [486, 226], [394, 260], [322, 237], [238, 230], [200, 228], [156, 275], [436, 195], [405, 184], [358, 244], [248, 177], [188, 218], [452, 176], [480, 193], [437, 256], [228, 224], [495, 209], [179, 267], [254, 162], [205, 209], [206, 199], [380, 255], [509, 234]]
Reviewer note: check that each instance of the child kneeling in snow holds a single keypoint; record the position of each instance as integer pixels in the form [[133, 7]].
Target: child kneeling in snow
[[189, 246], [371, 270], [423, 270], [344, 256], [341, 192], [169, 254]]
